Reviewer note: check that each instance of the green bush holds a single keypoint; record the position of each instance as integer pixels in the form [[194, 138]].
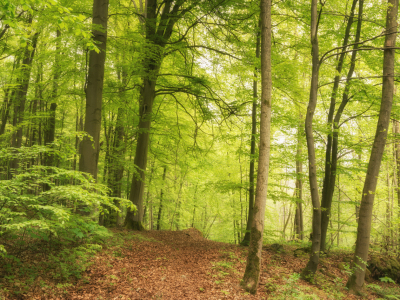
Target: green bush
[[40, 209]]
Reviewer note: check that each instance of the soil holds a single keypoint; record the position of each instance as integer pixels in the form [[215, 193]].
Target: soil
[[184, 265]]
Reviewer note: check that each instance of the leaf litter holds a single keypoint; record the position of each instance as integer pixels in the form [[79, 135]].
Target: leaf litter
[[184, 265]]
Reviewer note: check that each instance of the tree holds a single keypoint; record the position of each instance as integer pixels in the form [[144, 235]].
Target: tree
[[246, 239], [252, 272], [328, 187], [158, 30], [90, 145], [312, 264], [356, 280]]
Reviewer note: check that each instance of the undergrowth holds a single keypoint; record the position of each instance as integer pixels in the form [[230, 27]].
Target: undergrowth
[[46, 231]]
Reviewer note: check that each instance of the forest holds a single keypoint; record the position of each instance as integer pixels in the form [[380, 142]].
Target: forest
[[256, 140]]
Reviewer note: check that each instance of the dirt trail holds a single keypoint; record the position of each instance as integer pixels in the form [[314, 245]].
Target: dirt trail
[[183, 265]]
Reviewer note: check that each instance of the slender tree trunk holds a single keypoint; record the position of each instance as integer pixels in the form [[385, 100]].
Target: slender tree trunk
[[161, 201], [119, 159], [50, 129], [286, 222], [328, 187], [397, 150], [35, 102], [194, 206], [148, 188], [252, 273], [298, 219], [89, 150], [246, 239], [311, 267], [338, 209], [356, 281], [116, 148]]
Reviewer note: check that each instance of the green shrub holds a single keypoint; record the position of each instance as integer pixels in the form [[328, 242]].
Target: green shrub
[[40, 213]]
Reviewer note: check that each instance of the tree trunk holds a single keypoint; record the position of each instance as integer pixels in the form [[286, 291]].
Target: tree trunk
[[252, 273], [194, 206], [356, 281], [148, 189], [119, 149], [20, 97], [161, 203], [50, 129], [134, 219], [8, 99], [397, 150], [246, 239], [311, 267], [298, 219], [157, 36], [89, 149], [328, 187]]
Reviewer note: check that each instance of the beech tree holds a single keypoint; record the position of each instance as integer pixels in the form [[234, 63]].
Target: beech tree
[[312, 264], [356, 280], [90, 145], [253, 265]]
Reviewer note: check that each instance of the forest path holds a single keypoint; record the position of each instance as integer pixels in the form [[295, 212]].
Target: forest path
[[184, 265]]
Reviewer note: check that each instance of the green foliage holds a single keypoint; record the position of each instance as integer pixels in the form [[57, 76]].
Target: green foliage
[[40, 201], [71, 262], [40, 214], [385, 292], [290, 290], [387, 279]]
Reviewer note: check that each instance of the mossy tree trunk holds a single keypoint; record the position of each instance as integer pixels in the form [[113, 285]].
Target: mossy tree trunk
[[252, 273], [356, 281]]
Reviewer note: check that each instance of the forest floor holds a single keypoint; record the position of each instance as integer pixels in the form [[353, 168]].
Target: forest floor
[[184, 265]]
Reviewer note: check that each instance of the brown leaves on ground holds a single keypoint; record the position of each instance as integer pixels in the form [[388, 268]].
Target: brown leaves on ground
[[184, 265]]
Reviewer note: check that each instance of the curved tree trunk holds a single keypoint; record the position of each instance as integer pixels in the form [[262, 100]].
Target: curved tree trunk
[[356, 281], [311, 267], [252, 273]]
